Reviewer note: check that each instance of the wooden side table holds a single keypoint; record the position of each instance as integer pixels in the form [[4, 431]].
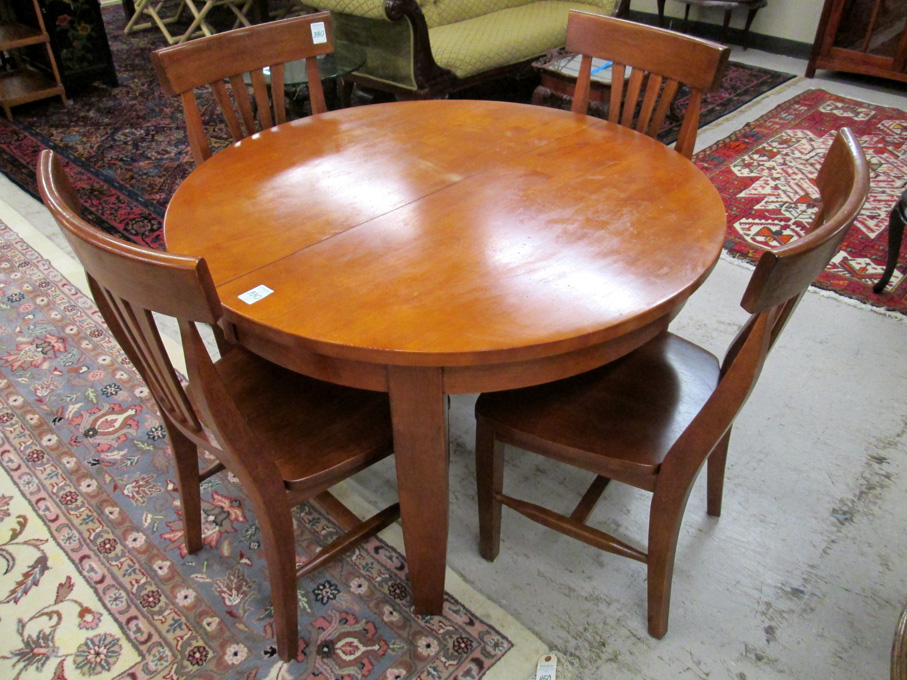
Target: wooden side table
[[558, 72]]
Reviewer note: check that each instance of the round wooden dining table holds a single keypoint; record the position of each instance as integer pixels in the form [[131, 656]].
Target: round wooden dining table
[[429, 248]]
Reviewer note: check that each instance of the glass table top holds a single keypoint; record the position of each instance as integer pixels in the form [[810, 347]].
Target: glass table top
[[345, 59]]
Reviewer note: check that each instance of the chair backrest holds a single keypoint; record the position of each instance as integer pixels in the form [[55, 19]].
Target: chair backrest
[[129, 284], [661, 59], [781, 278], [229, 57]]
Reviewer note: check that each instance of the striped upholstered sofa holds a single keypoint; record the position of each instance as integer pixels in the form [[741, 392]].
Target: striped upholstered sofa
[[429, 48]]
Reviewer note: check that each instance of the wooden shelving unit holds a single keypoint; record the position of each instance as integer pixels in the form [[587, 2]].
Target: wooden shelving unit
[[19, 82]]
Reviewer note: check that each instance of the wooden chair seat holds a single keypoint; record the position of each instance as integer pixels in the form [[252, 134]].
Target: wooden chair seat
[[618, 420], [319, 431], [654, 418]]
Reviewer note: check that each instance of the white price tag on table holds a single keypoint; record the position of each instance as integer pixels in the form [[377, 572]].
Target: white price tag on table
[[256, 294]]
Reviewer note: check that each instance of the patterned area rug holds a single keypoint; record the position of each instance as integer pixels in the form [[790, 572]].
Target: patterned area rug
[[127, 146], [741, 84], [94, 579], [765, 173]]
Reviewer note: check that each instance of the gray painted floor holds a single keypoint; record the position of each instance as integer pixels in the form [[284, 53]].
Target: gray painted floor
[[801, 577]]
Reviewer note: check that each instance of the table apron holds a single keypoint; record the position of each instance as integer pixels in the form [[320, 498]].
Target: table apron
[[516, 374], [456, 379]]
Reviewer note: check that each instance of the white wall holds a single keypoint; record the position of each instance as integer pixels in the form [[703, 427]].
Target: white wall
[[790, 19]]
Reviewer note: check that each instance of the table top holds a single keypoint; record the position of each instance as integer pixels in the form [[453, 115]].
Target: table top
[[449, 233]]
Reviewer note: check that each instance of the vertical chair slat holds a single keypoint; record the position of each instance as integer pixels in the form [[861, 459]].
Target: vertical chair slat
[[664, 102], [632, 97], [653, 87], [583, 83], [618, 72], [262, 100], [222, 95], [243, 103], [198, 142], [278, 97], [316, 92], [686, 140]]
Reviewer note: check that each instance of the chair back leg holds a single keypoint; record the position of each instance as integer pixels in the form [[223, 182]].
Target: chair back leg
[[489, 481], [185, 460], [715, 476]]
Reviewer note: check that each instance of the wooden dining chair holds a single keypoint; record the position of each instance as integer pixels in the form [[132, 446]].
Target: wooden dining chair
[[227, 57], [659, 59], [286, 437], [654, 417]]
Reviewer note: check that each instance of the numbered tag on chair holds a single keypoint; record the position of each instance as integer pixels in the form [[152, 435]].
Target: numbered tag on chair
[[547, 668], [319, 35]]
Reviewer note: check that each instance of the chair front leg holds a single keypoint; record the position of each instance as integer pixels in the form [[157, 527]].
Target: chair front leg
[[489, 481], [665, 517], [279, 542]]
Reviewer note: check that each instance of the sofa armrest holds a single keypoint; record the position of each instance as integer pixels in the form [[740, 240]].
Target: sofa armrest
[[394, 35], [426, 72]]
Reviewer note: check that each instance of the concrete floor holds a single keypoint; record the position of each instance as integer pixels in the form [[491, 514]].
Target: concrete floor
[[801, 575]]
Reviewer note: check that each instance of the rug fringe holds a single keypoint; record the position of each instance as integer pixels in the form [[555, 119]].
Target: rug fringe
[[851, 302], [758, 101]]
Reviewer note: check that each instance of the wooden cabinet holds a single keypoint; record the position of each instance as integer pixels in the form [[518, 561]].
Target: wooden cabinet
[[862, 36], [21, 81], [78, 39]]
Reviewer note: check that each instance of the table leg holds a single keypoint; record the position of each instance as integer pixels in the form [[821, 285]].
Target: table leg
[[419, 412]]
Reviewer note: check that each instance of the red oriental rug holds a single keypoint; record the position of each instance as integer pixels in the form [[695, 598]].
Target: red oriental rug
[[765, 172]]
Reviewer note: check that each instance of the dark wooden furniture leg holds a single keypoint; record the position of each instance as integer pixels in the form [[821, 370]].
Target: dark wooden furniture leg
[[128, 8], [746, 29], [661, 13], [895, 234], [260, 11], [724, 26]]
